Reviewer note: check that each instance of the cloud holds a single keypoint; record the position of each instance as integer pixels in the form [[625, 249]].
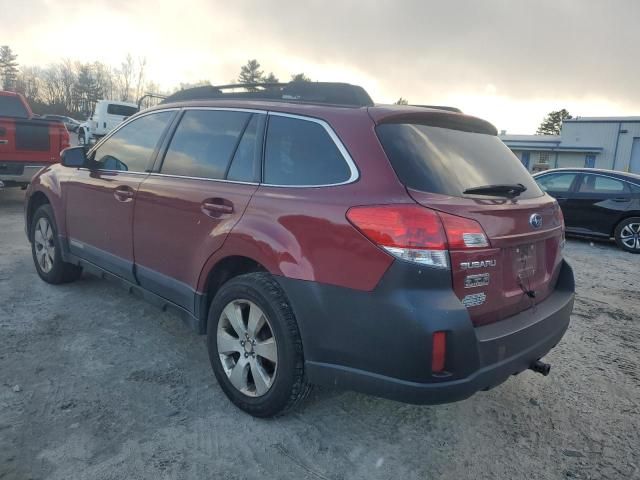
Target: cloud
[[523, 56]]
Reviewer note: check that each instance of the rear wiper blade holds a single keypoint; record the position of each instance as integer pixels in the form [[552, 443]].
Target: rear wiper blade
[[503, 190]]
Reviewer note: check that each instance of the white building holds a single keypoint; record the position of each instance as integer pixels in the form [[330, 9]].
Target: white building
[[601, 142]]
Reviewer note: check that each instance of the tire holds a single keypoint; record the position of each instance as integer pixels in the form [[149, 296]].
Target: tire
[[288, 385], [627, 234], [46, 250]]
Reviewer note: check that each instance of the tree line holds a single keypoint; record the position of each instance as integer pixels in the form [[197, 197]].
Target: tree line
[[73, 88]]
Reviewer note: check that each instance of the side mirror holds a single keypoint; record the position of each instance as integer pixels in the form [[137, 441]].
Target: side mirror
[[74, 157]]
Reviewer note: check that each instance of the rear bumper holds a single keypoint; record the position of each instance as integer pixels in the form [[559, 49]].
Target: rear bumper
[[21, 175], [380, 342]]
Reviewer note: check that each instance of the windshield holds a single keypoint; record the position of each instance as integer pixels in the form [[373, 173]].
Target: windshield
[[11, 106], [446, 161]]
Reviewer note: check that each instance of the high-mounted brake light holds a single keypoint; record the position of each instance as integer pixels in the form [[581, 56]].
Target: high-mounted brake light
[[407, 231]]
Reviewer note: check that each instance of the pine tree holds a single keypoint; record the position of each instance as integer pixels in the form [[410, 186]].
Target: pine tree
[[552, 123], [86, 91], [271, 78], [300, 77], [8, 68], [402, 101], [251, 73]]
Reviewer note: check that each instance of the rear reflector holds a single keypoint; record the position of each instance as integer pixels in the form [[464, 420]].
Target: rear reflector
[[438, 352]]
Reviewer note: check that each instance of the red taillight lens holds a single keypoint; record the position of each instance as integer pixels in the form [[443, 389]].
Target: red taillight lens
[[409, 232], [438, 352], [399, 226], [559, 216], [463, 233], [65, 140]]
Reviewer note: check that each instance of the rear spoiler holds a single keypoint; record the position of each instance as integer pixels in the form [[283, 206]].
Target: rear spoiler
[[433, 118]]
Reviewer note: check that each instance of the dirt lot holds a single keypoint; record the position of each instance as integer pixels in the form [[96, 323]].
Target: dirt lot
[[97, 384]]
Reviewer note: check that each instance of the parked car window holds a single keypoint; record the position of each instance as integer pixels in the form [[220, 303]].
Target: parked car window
[[203, 143], [131, 147], [557, 182], [121, 110], [301, 152], [246, 160], [447, 161], [598, 184], [634, 188], [11, 106]]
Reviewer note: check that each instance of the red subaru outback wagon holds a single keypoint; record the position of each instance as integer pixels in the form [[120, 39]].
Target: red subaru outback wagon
[[317, 238]]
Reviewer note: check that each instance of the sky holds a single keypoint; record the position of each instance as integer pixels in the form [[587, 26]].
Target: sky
[[508, 61]]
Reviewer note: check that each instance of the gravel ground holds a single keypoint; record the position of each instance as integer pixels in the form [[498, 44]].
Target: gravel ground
[[97, 384]]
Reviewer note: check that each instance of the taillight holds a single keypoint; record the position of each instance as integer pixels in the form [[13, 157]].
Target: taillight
[[463, 233], [417, 234], [438, 352], [65, 141], [559, 218], [409, 232]]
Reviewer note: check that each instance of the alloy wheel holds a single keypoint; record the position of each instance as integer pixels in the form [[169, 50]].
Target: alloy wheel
[[630, 236], [45, 248], [247, 347]]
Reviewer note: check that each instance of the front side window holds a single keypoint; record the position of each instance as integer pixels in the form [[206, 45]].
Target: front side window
[[301, 152], [598, 184], [131, 147], [558, 182], [203, 143]]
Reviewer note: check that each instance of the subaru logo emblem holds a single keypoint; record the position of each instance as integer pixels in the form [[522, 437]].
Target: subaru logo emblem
[[535, 220]]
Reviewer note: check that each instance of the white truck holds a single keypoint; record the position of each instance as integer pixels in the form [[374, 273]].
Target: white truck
[[107, 115]]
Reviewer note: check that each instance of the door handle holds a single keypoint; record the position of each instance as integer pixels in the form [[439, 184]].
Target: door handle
[[217, 206], [4, 142], [620, 199], [124, 193]]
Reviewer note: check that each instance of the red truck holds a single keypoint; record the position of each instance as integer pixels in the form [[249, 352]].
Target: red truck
[[27, 143]]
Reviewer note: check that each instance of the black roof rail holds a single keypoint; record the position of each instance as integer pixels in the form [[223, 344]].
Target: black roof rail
[[440, 107], [149, 95], [329, 93]]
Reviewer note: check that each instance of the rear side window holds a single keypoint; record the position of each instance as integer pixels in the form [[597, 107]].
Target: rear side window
[[11, 106], [598, 184], [121, 110], [204, 142], [556, 182], [131, 147], [301, 152], [448, 162]]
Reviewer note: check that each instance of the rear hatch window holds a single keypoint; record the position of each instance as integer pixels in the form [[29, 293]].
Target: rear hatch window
[[11, 106], [520, 266], [442, 160]]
